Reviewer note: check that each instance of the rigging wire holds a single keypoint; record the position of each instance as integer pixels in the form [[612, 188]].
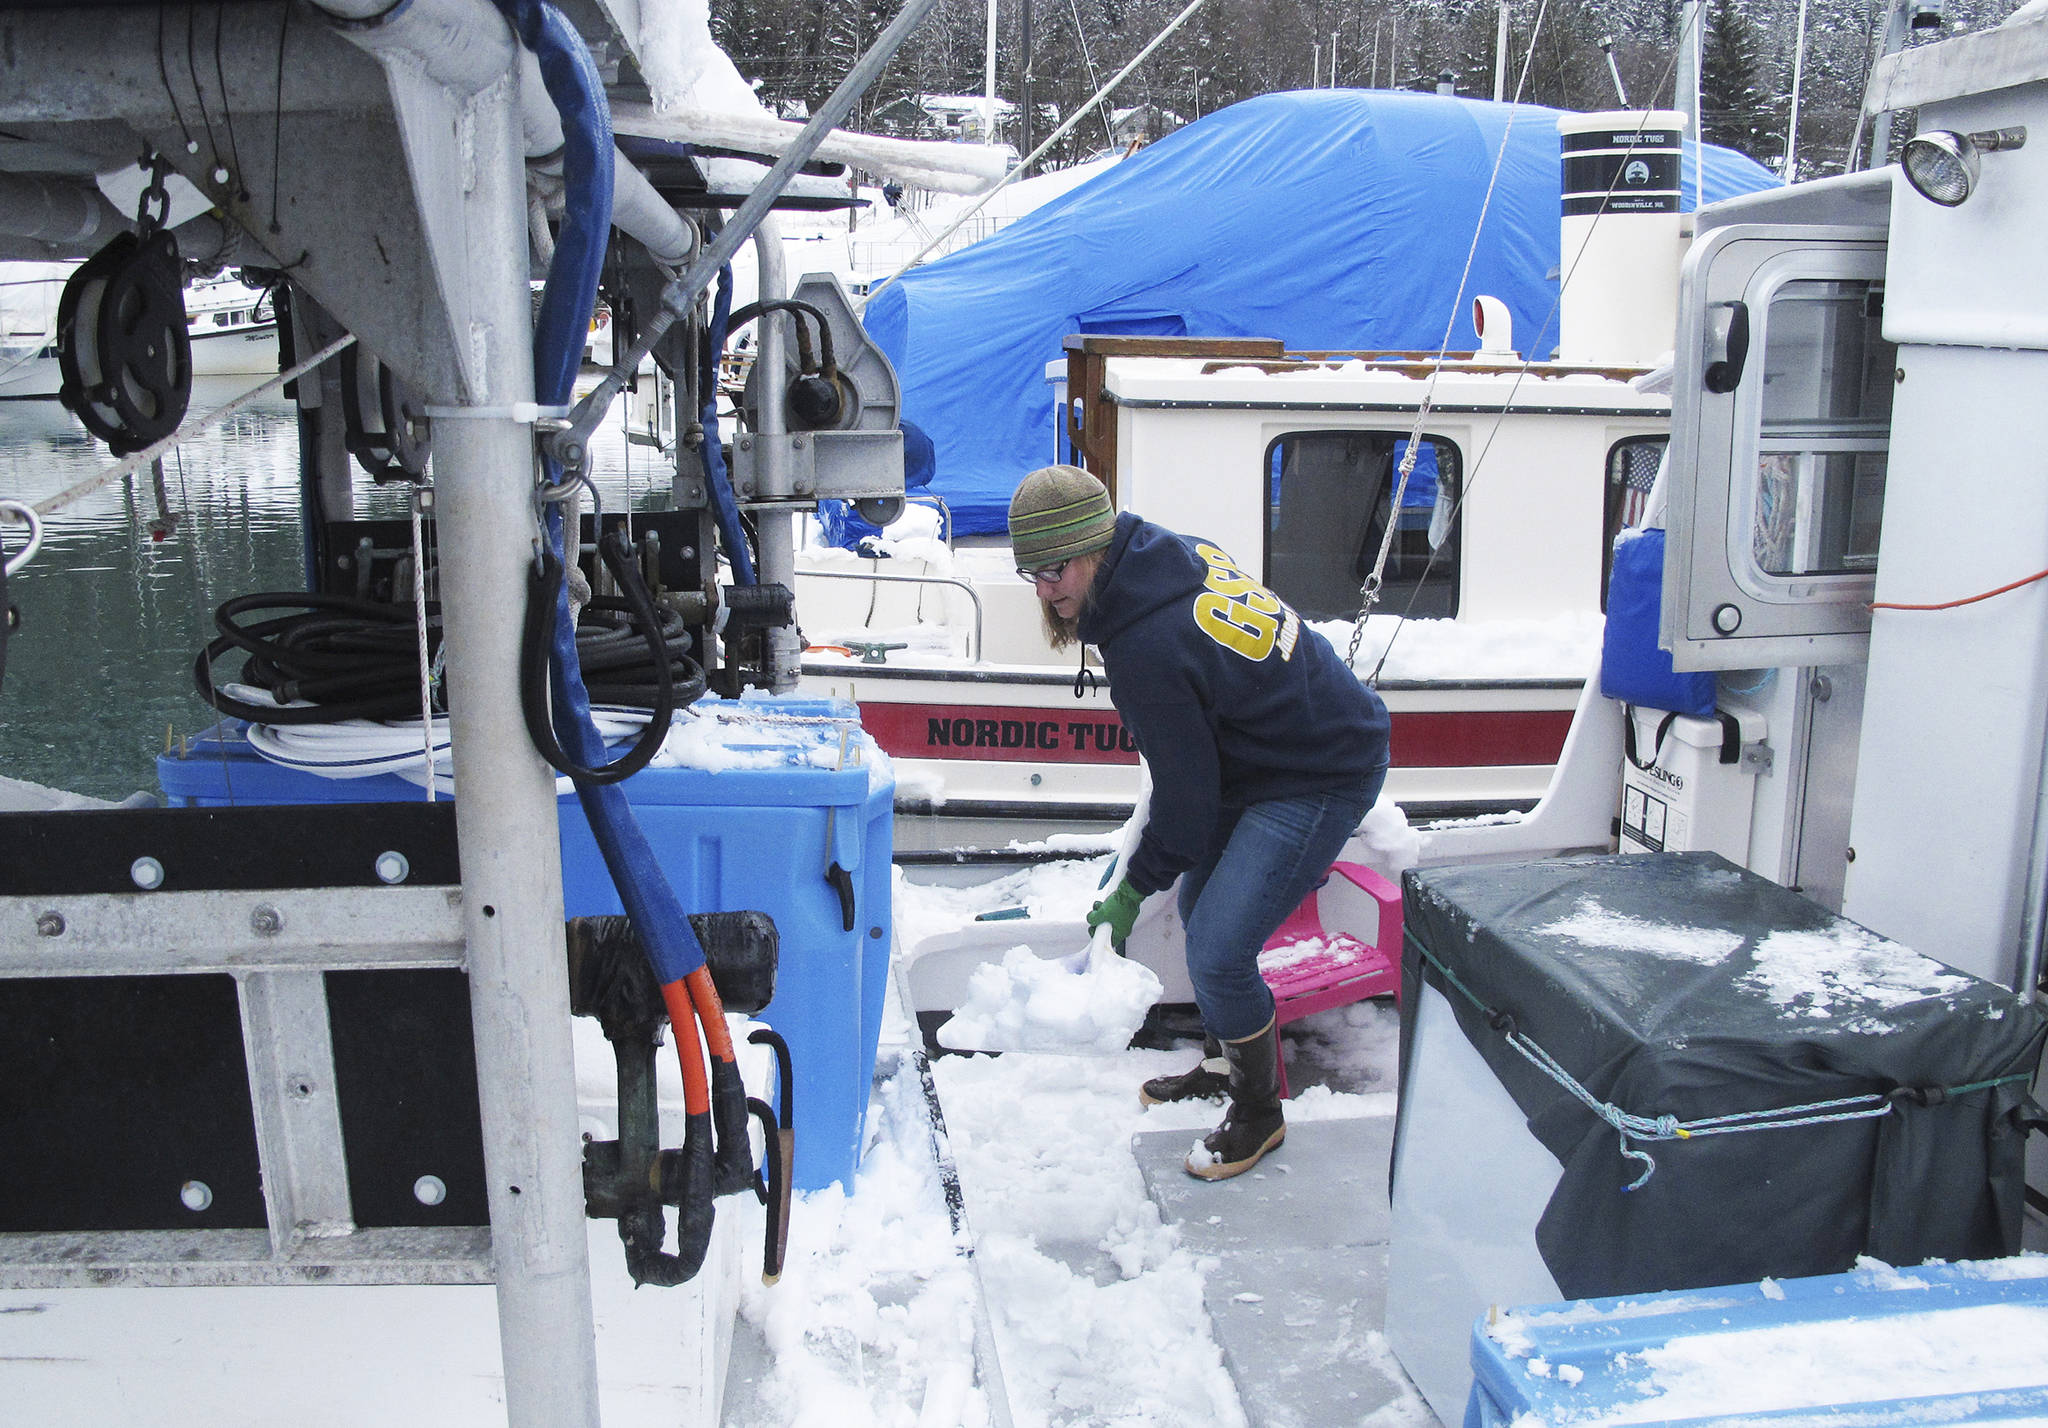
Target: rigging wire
[[1074, 9], [198, 92], [164, 74], [284, 25], [1024, 164], [1369, 595], [1471, 479], [227, 112]]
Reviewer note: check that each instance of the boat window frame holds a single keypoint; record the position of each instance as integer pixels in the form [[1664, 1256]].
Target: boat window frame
[[1398, 597], [1612, 500]]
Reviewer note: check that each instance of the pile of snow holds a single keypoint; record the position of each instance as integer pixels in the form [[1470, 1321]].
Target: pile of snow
[[1097, 1308], [1557, 647], [1032, 1003], [1845, 968]]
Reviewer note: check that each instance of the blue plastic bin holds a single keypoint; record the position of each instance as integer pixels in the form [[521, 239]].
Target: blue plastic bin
[[1741, 1353], [763, 838]]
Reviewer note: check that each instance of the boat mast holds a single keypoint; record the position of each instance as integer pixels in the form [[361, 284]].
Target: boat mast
[[988, 80], [1691, 37], [1500, 53]]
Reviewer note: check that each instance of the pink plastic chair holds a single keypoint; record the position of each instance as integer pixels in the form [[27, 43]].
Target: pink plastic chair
[[1342, 945]]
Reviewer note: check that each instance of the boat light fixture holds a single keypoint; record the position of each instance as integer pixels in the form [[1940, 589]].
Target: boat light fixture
[[1942, 164]]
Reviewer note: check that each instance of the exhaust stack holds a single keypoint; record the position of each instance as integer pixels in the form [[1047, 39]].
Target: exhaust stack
[[1621, 236]]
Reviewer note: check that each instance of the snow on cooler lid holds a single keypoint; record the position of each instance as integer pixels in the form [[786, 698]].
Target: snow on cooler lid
[[812, 747], [1971, 1337]]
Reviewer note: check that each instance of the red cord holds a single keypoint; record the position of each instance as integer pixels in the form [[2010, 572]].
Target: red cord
[[1966, 600]]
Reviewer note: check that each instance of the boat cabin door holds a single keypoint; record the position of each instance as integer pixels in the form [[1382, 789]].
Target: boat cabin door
[[1780, 430], [1780, 424]]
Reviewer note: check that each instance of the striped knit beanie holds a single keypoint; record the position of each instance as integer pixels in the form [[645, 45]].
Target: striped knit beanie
[[1059, 512]]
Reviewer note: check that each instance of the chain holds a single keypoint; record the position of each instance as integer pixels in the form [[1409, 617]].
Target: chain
[[147, 223], [1369, 593]]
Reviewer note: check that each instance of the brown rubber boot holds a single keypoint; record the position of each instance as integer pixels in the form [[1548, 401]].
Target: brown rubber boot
[[1208, 1080], [1253, 1125]]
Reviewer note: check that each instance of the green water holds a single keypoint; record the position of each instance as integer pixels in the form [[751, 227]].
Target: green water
[[112, 617]]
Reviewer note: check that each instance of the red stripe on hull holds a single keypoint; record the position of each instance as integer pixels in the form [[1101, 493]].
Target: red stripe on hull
[[1479, 738], [1472, 738]]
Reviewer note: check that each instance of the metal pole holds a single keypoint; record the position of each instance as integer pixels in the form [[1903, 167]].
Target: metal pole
[[988, 78], [1027, 119], [1686, 99], [1500, 54], [1792, 121], [505, 817], [1895, 31], [775, 520], [1614, 70]]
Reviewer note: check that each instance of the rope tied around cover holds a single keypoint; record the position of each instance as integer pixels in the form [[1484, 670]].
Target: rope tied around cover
[[1630, 1127]]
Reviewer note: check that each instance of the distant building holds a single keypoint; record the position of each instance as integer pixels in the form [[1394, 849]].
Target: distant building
[[942, 116], [1142, 124]]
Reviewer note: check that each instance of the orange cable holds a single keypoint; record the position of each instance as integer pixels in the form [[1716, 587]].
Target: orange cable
[[682, 1018], [1966, 600]]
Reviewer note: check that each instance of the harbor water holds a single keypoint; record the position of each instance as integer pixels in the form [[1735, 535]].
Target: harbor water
[[119, 601]]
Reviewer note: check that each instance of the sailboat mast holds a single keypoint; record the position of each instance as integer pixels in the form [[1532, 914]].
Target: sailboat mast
[[1500, 53], [1791, 174], [988, 80]]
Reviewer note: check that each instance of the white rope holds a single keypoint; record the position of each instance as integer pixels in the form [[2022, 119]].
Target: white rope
[[51, 504], [365, 748], [419, 621], [1033, 157]]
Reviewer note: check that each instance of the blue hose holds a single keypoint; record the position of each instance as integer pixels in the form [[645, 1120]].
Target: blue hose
[[722, 501], [566, 301]]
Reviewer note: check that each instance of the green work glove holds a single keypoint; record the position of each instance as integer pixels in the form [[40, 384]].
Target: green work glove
[[1119, 910]]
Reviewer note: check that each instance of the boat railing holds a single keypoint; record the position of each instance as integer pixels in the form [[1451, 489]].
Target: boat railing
[[974, 651]]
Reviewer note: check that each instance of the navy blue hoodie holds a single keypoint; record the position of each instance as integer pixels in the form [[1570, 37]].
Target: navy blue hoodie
[[1231, 698]]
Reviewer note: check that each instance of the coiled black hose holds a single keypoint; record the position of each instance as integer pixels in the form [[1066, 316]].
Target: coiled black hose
[[359, 659], [643, 625]]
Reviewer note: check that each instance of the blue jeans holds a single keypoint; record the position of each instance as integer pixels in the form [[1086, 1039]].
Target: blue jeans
[[1267, 858]]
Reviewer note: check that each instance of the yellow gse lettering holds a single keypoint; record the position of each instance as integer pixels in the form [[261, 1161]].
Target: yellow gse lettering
[[1235, 625]]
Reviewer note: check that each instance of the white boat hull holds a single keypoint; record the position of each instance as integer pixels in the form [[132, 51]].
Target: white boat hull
[[237, 351]]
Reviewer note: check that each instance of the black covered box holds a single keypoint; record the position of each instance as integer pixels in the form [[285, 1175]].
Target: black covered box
[[1882, 1097]]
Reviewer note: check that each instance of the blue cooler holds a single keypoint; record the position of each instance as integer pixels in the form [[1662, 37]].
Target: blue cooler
[[1940, 1344], [766, 837]]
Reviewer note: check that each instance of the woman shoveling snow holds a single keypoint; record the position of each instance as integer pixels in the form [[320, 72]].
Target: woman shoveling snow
[[1265, 753]]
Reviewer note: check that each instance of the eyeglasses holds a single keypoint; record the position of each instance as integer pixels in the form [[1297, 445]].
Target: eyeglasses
[[1045, 574]]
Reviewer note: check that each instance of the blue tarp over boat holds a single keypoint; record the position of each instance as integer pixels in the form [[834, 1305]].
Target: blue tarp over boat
[[1331, 219]]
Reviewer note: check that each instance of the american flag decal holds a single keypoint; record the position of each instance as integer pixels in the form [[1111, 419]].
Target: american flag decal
[[1631, 471]]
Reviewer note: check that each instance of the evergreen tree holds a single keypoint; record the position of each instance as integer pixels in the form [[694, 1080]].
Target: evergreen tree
[[1738, 107]]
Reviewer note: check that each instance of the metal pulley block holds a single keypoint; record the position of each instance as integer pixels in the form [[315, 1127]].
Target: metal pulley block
[[388, 432], [122, 344]]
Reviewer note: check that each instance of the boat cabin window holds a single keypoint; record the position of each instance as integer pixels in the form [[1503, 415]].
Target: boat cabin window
[[1632, 465], [1826, 413], [1328, 494]]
